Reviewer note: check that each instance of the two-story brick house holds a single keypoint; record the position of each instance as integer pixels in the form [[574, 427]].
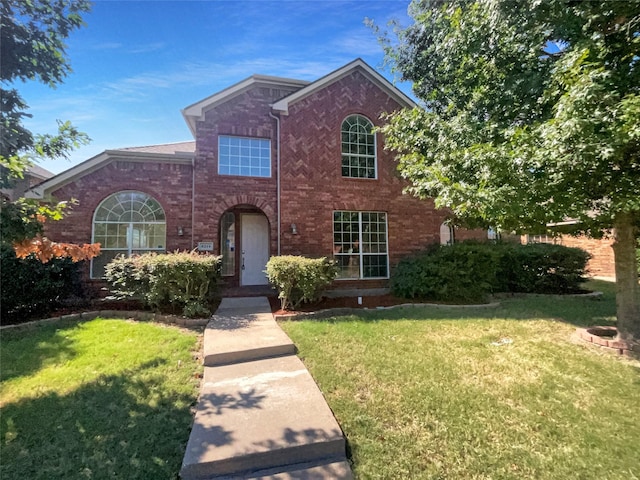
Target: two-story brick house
[[278, 166]]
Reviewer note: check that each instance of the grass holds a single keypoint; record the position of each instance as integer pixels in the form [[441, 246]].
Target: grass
[[434, 393], [101, 399]]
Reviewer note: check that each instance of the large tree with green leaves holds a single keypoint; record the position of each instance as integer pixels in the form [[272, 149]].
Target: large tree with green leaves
[[32, 48], [531, 116]]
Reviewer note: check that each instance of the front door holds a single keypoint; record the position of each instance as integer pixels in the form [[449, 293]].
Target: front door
[[254, 249]]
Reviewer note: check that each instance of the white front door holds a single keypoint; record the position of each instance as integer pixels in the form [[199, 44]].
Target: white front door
[[255, 249]]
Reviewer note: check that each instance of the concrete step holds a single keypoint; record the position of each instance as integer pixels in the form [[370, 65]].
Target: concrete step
[[260, 415], [340, 470], [242, 330]]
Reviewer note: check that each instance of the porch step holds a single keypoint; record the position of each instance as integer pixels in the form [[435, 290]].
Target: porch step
[[243, 330], [260, 415]]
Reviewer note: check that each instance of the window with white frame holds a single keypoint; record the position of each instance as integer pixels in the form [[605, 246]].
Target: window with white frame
[[360, 244], [127, 223], [358, 148], [246, 157]]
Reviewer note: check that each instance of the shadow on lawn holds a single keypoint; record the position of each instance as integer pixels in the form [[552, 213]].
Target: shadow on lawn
[[23, 355], [117, 426]]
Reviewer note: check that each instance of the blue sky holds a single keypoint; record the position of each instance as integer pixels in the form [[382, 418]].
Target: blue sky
[[136, 64]]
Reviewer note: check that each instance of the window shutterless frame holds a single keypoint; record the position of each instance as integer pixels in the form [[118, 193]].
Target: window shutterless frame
[[360, 244], [126, 223], [358, 147], [244, 156]]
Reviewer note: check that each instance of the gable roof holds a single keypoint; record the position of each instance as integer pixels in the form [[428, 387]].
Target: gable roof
[[282, 105], [196, 111], [181, 152]]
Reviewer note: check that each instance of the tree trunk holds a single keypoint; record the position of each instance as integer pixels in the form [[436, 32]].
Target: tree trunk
[[627, 289]]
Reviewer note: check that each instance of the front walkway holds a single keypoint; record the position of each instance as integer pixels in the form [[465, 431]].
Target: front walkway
[[260, 414]]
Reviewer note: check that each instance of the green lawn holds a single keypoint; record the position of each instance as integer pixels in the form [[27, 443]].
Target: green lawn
[[427, 392], [101, 399]]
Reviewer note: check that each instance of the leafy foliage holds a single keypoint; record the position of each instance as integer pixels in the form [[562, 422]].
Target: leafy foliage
[[32, 48], [532, 117], [31, 288], [183, 281], [463, 272], [540, 268], [470, 271], [300, 279]]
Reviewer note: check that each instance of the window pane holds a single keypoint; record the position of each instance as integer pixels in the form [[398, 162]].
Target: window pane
[[228, 244], [358, 148], [360, 239], [250, 157]]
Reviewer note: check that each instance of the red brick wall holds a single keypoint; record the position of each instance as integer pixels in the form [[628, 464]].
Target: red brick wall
[[313, 186], [169, 184], [602, 263], [245, 115]]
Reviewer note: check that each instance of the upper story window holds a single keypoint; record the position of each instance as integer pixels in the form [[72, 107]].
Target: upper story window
[[247, 157], [358, 148], [127, 223]]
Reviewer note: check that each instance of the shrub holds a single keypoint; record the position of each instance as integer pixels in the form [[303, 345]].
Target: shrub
[[463, 272], [470, 271], [300, 279], [33, 289], [177, 281], [540, 268]]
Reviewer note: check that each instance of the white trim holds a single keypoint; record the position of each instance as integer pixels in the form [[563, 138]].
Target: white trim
[[283, 104], [196, 111], [43, 189]]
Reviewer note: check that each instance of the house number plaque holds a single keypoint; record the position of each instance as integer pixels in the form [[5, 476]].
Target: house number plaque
[[205, 246]]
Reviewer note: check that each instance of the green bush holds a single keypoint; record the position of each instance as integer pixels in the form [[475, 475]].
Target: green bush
[[470, 271], [540, 268], [463, 272], [32, 289], [300, 279], [180, 281]]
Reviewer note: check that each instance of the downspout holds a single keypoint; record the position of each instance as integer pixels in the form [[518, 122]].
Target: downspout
[[193, 198], [277, 119]]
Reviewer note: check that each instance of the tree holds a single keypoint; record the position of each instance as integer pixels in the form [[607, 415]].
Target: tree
[[532, 116], [32, 34]]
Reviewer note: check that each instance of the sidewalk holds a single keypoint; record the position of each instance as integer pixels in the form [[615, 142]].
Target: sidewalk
[[260, 415]]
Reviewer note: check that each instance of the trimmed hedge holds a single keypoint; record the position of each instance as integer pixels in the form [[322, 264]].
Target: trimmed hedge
[[180, 281], [32, 289], [471, 271], [540, 268], [463, 272], [300, 279]]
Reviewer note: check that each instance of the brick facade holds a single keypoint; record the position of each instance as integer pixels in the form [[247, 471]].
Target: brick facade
[[195, 197]]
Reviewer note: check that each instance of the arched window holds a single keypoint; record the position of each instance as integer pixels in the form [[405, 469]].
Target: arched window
[[127, 223], [358, 148]]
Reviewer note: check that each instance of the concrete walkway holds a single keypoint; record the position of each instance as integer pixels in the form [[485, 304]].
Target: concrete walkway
[[260, 415]]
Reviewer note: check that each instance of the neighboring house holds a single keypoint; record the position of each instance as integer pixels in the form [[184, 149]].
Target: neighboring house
[[278, 166], [33, 175]]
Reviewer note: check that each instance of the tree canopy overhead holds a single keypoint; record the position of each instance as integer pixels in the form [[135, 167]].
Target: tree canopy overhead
[[32, 48], [532, 116]]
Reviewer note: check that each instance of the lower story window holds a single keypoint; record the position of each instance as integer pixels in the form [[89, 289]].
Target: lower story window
[[127, 223], [360, 244], [228, 244]]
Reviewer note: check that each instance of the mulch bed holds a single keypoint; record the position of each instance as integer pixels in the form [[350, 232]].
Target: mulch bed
[[340, 302]]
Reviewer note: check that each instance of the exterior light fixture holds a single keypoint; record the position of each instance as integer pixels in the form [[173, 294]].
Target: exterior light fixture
[[180, 231], [294, 229]]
